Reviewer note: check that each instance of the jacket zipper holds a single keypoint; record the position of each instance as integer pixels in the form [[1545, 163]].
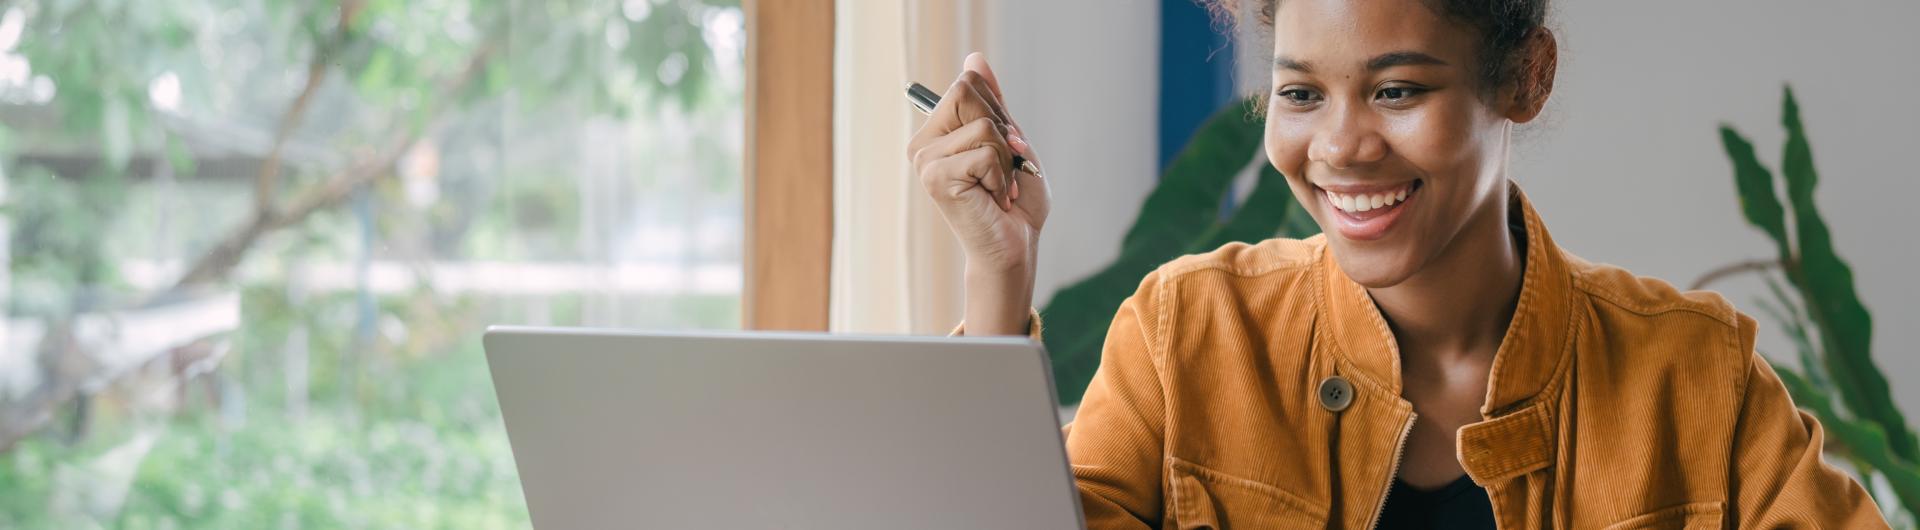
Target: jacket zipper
[[1399, 451]]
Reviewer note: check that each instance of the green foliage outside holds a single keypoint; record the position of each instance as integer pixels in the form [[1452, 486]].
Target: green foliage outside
[[332, 407], [1182, 215], [1814, 300]]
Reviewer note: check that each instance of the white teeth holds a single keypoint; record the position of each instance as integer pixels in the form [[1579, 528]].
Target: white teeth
[[1366, 202]]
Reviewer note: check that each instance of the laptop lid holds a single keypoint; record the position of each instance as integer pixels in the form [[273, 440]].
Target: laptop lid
[[614, 429]]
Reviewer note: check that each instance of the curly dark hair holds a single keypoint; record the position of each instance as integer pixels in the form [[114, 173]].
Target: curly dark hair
[[1504, 26]]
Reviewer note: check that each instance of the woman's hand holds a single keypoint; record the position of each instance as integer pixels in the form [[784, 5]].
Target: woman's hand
[[963, 155]]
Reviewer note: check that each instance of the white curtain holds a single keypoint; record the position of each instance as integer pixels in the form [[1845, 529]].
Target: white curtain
[[896, 269]]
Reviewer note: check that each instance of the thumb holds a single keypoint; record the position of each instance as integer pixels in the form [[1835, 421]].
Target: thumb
[[977, 62]]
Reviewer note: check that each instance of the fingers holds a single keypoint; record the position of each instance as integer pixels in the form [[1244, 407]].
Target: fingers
[[974, 94], [1029, 193], [1020, 147], [987, 164], [966, 100], [970, 140], [983, 89], [981, 167], [981, 156], [977, 62], [979, 97]]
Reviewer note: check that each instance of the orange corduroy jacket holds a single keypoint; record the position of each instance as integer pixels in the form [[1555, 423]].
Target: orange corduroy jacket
[[1258, 387]]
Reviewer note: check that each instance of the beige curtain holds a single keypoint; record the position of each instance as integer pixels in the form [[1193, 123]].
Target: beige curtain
[[896, 269]]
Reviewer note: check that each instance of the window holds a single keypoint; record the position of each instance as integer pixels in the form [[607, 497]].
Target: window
[[250, 245]]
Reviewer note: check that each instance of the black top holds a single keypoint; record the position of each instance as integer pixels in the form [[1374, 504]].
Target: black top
[[1461, 505]]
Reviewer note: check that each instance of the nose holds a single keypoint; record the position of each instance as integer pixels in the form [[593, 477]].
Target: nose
[[1347, 138]]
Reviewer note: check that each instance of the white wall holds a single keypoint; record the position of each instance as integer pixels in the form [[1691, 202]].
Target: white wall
[[1626, 166], [1082, 77]]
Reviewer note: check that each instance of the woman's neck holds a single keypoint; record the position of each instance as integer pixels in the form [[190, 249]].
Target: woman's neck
[[1459, 306]]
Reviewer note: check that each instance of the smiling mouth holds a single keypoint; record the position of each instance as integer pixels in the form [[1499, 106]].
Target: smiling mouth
[[1369, 214], [1371, 204]]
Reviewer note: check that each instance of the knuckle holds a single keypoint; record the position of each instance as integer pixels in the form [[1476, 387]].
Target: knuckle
[[981, 126], [913, 150], [932, 171], [961, 87]]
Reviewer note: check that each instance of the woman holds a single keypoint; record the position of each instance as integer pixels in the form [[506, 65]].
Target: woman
[[1431, 359]]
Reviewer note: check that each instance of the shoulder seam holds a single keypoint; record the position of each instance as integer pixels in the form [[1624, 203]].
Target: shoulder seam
[[1607, 295], [1175, 270]]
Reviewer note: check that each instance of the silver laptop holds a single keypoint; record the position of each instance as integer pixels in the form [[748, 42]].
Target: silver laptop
[[614, 429]]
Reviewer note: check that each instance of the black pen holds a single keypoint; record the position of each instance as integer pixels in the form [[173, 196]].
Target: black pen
[[925, 100]]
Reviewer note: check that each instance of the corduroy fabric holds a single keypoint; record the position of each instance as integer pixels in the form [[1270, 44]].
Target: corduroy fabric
[[1614, 402]]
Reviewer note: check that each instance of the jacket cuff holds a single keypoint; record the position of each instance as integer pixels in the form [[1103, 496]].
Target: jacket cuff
[[1033, 326]]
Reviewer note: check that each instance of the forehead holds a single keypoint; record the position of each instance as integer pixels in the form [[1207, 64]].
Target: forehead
[[1344, 33]]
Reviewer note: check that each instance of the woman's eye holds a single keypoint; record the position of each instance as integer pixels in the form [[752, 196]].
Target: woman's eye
[[1399, 93], [1298, 96]]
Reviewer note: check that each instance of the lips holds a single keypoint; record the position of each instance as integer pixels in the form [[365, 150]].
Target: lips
[[1366, 213]]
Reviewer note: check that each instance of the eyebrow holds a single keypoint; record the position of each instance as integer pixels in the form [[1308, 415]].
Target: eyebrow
[[1402, 58], [1283, 62], [1378, 62]]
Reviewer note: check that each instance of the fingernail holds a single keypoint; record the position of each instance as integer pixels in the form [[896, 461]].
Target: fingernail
[[1018, 141], [1016, 190]]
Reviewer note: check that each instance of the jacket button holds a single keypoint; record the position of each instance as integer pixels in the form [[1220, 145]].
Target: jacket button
[[1336, 393]]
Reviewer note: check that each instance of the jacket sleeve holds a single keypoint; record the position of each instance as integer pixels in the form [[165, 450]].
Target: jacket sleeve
[[1779, 478], [1115, 440]]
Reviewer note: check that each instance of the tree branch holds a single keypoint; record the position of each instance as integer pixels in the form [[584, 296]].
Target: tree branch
[[265, 183], [220, 260]]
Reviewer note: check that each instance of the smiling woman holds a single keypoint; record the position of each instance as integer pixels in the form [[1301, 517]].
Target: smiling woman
[[1434, 359]]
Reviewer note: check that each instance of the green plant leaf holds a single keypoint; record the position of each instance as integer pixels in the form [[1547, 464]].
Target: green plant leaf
[[1758, 201], [1179, 216], [1826, 282], [1788, 314], [1188, 197], [1863, 439], [1253, 224]]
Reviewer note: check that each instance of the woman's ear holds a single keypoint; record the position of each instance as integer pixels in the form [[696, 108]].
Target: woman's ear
[[1533, 79]]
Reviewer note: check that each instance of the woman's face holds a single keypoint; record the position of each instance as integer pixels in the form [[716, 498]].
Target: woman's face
[[1379, 122]]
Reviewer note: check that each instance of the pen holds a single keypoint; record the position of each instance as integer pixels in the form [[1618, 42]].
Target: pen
[[925, 100]]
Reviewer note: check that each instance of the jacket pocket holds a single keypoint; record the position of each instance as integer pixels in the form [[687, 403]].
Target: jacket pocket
[[1202, 498], [1695, 516]]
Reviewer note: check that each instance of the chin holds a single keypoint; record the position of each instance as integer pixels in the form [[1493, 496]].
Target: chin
[[1374, 268]]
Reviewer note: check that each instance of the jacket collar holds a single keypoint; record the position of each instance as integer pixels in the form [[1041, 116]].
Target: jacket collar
[[1531, 353]]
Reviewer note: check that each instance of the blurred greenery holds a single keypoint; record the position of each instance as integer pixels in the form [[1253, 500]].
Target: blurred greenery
[[56, 249], [1832, 331], [428, 454], [1182, 215], [303, 134]]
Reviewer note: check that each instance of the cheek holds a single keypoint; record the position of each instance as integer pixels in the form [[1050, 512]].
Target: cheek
[[1287, 138], [1443, 140]]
